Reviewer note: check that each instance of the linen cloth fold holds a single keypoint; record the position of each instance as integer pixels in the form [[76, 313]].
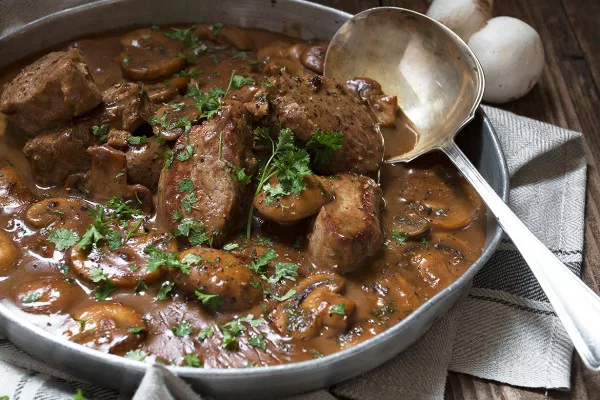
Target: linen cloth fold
[[502, 329]]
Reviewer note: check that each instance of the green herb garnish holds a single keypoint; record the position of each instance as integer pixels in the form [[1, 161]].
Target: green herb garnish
[[63, 238]]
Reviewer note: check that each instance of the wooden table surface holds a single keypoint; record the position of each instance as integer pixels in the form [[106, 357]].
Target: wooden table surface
[[568, 95]]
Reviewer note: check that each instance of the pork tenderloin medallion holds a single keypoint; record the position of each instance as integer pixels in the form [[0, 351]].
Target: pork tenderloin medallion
[[60, 152], [312, 103], [348, 230], [49, 92], [201, 183]]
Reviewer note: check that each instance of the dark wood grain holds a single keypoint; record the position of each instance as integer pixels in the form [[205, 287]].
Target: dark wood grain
[[568, 95]]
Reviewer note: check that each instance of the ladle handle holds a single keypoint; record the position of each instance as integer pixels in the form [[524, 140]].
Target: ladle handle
[[577, 306]]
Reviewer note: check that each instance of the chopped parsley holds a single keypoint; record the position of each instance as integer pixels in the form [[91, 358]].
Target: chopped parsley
[[338, 309], [121, 210], [140, 287], [187, 36], [31, 297], [182, 329], [159, 258], [137, 329], [102, 292], [186, 153], [185, 186], [97, 275], [164, 290], [192, 360], [259, 266], [238, 81], [193, 229], [400, 237], [177, 106], [231, 246], [137, 355], [77, 396], [238, 55], [210, 300], [101, 132], [113, 238], [234, 328], [258, 341], [240, 174], [191, 74], [425, 242], [287, 161], [137, 140], [216, 28], [63, 238], [288, 295], [127, 60], [206, 333], [283, 270], [323, 145], [96, 231], [208, 103]]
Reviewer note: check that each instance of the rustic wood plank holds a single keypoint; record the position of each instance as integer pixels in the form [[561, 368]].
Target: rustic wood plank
[[568, 95]]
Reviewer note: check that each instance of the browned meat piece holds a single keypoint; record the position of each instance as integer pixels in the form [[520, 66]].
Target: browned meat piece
[[348, 230], [385, 108], [313, 58], [145, 162], [126, 107], [150, 55], [215, 195], [108, 177], [310, 103], [53, 90], [219, 274], [56, 154]]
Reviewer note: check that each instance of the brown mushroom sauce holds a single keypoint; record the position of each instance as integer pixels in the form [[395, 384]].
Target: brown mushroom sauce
[[221, 300]]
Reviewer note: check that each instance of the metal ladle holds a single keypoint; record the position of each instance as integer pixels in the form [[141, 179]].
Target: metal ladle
[[439, 84]]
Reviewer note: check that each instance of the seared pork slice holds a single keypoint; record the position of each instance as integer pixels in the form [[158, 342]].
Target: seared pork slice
[[108, 177], [348, 230], [311, 103], [56, 154], [201, 183], [51, 91], [145, 162], [126, 107]]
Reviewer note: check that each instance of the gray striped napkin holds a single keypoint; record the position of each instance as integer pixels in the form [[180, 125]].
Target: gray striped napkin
[[503, 329]]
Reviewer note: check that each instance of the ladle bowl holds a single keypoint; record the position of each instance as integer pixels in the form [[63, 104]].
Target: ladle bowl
[[439, 84]]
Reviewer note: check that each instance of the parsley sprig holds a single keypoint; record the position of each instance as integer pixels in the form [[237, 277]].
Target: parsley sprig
[[323, 145], [287, 161]]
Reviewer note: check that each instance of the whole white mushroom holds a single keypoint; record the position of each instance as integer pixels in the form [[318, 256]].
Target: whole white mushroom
[[512, 57], [464, 17]]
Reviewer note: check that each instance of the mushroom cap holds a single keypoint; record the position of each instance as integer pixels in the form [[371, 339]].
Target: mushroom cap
[[464, 17], [512, 57]]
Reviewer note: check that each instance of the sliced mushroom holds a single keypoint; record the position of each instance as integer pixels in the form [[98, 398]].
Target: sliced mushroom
[[47, 296], [309, 313], [313, 57], [149, 55], [437, 264], [169, 121], [448, 200], [107, 327], [291, 208], [412, 223], [64, 212], [13, 191], [8, 253], [219, 273], [126, 265]]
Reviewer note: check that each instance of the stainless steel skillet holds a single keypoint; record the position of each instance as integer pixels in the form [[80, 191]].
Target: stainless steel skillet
[[295, 18]]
